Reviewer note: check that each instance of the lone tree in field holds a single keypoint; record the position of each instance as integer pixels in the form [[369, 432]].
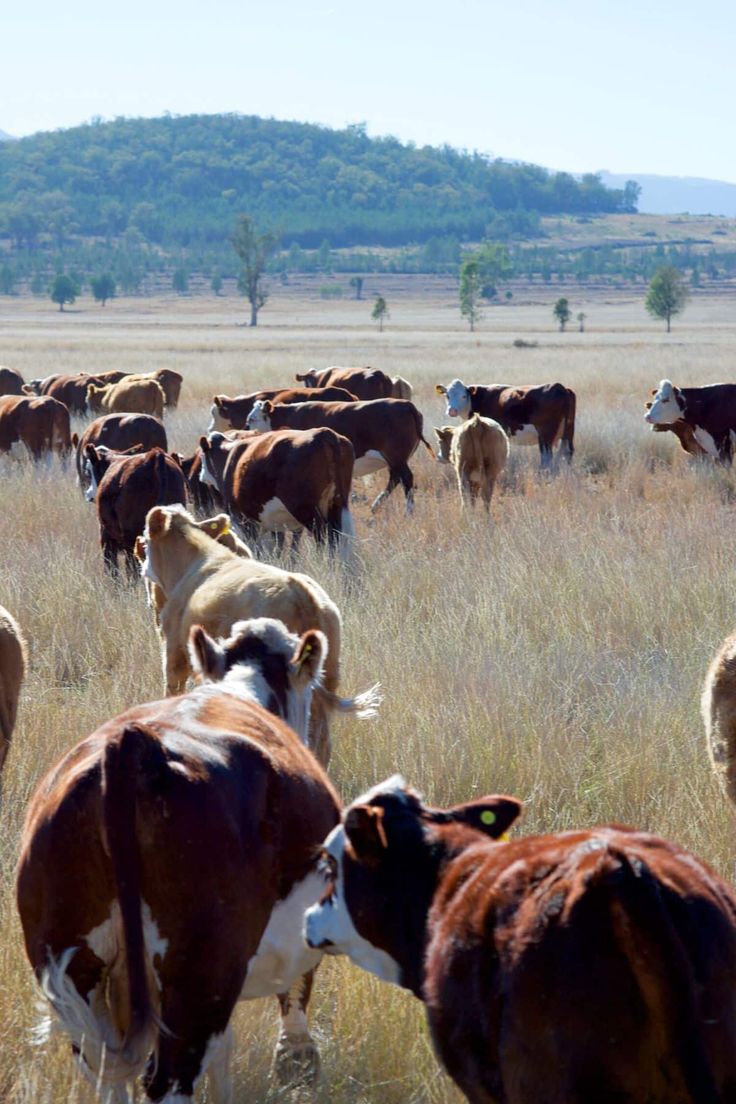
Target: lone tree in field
[[471, 285], [357, 283], [380, 311], [254, 250], [64, 289], [667, 294], [581, 316], [561, 311], [103, 287]]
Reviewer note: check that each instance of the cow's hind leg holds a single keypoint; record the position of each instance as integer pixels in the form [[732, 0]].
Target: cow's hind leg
[[296, 1058], [110, 555], [401, 473]]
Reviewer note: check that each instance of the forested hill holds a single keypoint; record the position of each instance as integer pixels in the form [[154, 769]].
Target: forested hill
[[181, 182]]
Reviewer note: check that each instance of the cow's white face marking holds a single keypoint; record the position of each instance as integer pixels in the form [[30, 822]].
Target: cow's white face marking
[[706, 442], [665, 408], [282, 956], [458, 400], [370, 461], [217, 422], [91, 493], [206, 474], [274, 515], [329, 922], [258, 419], [526, 435]]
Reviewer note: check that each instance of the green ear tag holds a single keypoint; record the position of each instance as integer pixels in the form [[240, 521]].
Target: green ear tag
[[487, 817]]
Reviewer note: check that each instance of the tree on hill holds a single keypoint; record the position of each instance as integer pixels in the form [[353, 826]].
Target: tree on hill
[[380, 312], [667, 294], [561, 311], [470, 291], [254, 250], [103, 287], [64, 289]]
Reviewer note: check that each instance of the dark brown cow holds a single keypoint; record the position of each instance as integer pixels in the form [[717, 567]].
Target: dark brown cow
[[587, 966], [11, 382], [286, 480], [40, 425], [384, 433], [71, 391], [364, 383], [532, 415], [119, 432], [205, 498], [125, 488], [43, 386], [166, 864], [233, 413], [702, 418]]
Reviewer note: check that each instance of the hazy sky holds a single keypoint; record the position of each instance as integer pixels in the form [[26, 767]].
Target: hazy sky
[[645, 86]]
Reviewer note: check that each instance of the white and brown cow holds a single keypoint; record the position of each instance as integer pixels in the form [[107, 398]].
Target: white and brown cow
[[364, 383], [118, 432], [13, 659], [540, 415], [478, 451], [590, 965], [384, 433], [39, 426], [165, 867], [288, 480], [227, 413], [699, 416]]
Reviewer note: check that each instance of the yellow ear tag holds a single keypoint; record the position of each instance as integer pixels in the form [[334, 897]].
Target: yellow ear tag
[[226, 527], [213, 526], [305, 653], [487, 817], [505, 837]]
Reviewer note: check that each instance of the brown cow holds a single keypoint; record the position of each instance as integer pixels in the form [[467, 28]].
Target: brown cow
[[588, 966], [718, 707], [532, 415], [48, 385], [72, 390], [41, 425], [229, 413], [384, 433], [684, 432], [702, 418], [119, 432], [125, 488], [287, 480], [12, 672], [11, 382], [204, 498], [364, 383], [129, 396], [165, 866], [478, 451]]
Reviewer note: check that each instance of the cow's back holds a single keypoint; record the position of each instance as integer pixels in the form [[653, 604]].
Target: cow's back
[[122, 431]]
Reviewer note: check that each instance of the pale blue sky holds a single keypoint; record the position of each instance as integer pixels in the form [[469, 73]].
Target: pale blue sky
[[645, 86]]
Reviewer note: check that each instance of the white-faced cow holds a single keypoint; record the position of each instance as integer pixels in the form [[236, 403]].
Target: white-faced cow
[[119, 432], [227, 413], [540, 415], [591, 965], [166, 864], [287, 480], [364, 383], [705, 415], [384, 433], [39, 426]]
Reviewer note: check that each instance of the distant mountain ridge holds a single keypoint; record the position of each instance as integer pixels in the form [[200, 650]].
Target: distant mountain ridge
[[674, 195], [5, 137]]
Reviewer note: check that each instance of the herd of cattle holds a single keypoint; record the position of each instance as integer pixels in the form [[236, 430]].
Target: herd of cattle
[[192, 852]]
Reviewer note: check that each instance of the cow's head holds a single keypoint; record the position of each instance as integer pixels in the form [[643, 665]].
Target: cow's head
[[382, 865], [458, 399], [667, 406], [262, 661], [259, 418], [220, 419], [94, 396], [444, 440], [309, 379], [215, 450]]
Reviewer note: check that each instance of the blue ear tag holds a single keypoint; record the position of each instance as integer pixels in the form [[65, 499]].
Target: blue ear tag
[[487, 817]]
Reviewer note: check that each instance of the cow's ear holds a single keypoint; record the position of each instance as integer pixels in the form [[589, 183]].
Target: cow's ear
[[267, 406], [91, 452], [215, 527], [648, 405], [492, 815], [157, 522], [206, 656], [218, 400], [204, 444], [366, 832], [653, 391], [310, 654], [472, 389], [300, 379], [439, 389]]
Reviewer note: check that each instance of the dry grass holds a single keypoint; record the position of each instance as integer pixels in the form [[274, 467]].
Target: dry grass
[[556, 654]]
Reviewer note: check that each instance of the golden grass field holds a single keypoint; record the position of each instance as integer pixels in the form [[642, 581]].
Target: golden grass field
[[556, 654]]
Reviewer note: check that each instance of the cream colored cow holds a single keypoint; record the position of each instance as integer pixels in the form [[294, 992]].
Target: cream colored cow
[[718, 707], [478, 450], [129, 396]]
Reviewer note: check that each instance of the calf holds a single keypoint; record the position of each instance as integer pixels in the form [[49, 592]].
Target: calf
[[233, 413], [286, 480], [718, 707], [11, 382], [706, 415], [364, 383], [129, 396], [119, 432], [384, 433], [592, 965], [12, 673], [40, 425], [533, 415], [125, 487], [478, 451], [166, 863], [168, 380]]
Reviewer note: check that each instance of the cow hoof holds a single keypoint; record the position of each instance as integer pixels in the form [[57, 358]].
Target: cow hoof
[[296, 1063]]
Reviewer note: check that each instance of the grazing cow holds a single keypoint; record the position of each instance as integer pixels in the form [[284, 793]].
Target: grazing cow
[[718, 707], [168, 380], [384, 433], [125, 487], [287, 480], [364, 383], [72, 390], [11, 382], [44, 386], [39, 424], [12, 673], [165, 866], [533, 415], [204, 583], [707, 414], [478, 451], [233, 413], [119, 432], [587, 966], [129, 396]]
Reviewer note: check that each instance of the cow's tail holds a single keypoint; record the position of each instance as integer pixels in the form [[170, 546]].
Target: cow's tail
[[419, 425], [568, 427], [362, 705], [340, 518]]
